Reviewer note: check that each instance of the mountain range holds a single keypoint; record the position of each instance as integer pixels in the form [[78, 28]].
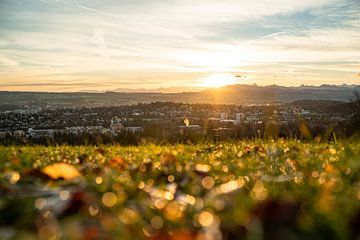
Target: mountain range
[[232, 94]]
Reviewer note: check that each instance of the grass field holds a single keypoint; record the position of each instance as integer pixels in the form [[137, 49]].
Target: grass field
[[284, 189]]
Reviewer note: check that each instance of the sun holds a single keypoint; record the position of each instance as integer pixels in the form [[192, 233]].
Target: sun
[[218, 80]]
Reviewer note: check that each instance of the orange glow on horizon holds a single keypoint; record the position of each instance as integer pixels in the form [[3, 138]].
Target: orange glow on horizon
[[218, 80]]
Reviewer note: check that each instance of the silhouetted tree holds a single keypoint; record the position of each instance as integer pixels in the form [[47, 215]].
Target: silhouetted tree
[[355, 112]]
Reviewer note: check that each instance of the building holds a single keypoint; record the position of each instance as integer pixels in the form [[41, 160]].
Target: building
[[252, 118], [134, 129], [305, 112], [224, 116], [75, 130], [194, 128], [19, 133], [4, 134], [116, 124], [221, 133], [189, 129], [239, 117], [41, 133]]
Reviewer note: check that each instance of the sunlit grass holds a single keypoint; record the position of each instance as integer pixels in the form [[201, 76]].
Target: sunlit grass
[[246, 189]]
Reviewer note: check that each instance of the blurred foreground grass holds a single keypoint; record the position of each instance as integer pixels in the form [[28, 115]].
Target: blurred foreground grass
[[285, 189]]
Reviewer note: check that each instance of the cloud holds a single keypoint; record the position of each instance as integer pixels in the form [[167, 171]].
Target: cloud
[[151, 42]]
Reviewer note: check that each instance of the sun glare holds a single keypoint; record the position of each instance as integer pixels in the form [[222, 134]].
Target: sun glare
[[219, 80]]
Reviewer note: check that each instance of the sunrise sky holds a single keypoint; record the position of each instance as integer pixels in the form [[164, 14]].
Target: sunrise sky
[[77, 45]]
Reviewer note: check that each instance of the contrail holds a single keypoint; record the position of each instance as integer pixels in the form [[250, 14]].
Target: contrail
[[134, 20], [273, 34], [18, 4], [127, 18]]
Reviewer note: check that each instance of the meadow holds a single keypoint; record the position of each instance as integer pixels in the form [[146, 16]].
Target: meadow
[[251, 189]]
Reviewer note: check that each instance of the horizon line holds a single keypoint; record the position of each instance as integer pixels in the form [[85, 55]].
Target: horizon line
[[198, 90]]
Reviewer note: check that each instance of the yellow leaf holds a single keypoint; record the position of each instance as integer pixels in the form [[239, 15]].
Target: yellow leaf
[[61, 170]]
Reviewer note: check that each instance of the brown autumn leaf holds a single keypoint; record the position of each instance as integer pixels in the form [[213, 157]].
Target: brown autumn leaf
[[92, 232], [79, 200], [167, 158], [100, 151], [15, 161], [183, 235], [118, 162], [61, 171]]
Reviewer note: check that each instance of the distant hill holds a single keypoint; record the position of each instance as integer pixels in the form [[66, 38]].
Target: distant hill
[[233, 94], [253, 94]]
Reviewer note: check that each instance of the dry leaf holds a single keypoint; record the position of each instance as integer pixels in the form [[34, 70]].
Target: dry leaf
[[118, 162], [168, 158]]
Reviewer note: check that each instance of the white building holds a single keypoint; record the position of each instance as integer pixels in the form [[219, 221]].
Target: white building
[[41, 133], [239, 117], [305, 112], [75, 130], [116, 124], [224, 115]]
